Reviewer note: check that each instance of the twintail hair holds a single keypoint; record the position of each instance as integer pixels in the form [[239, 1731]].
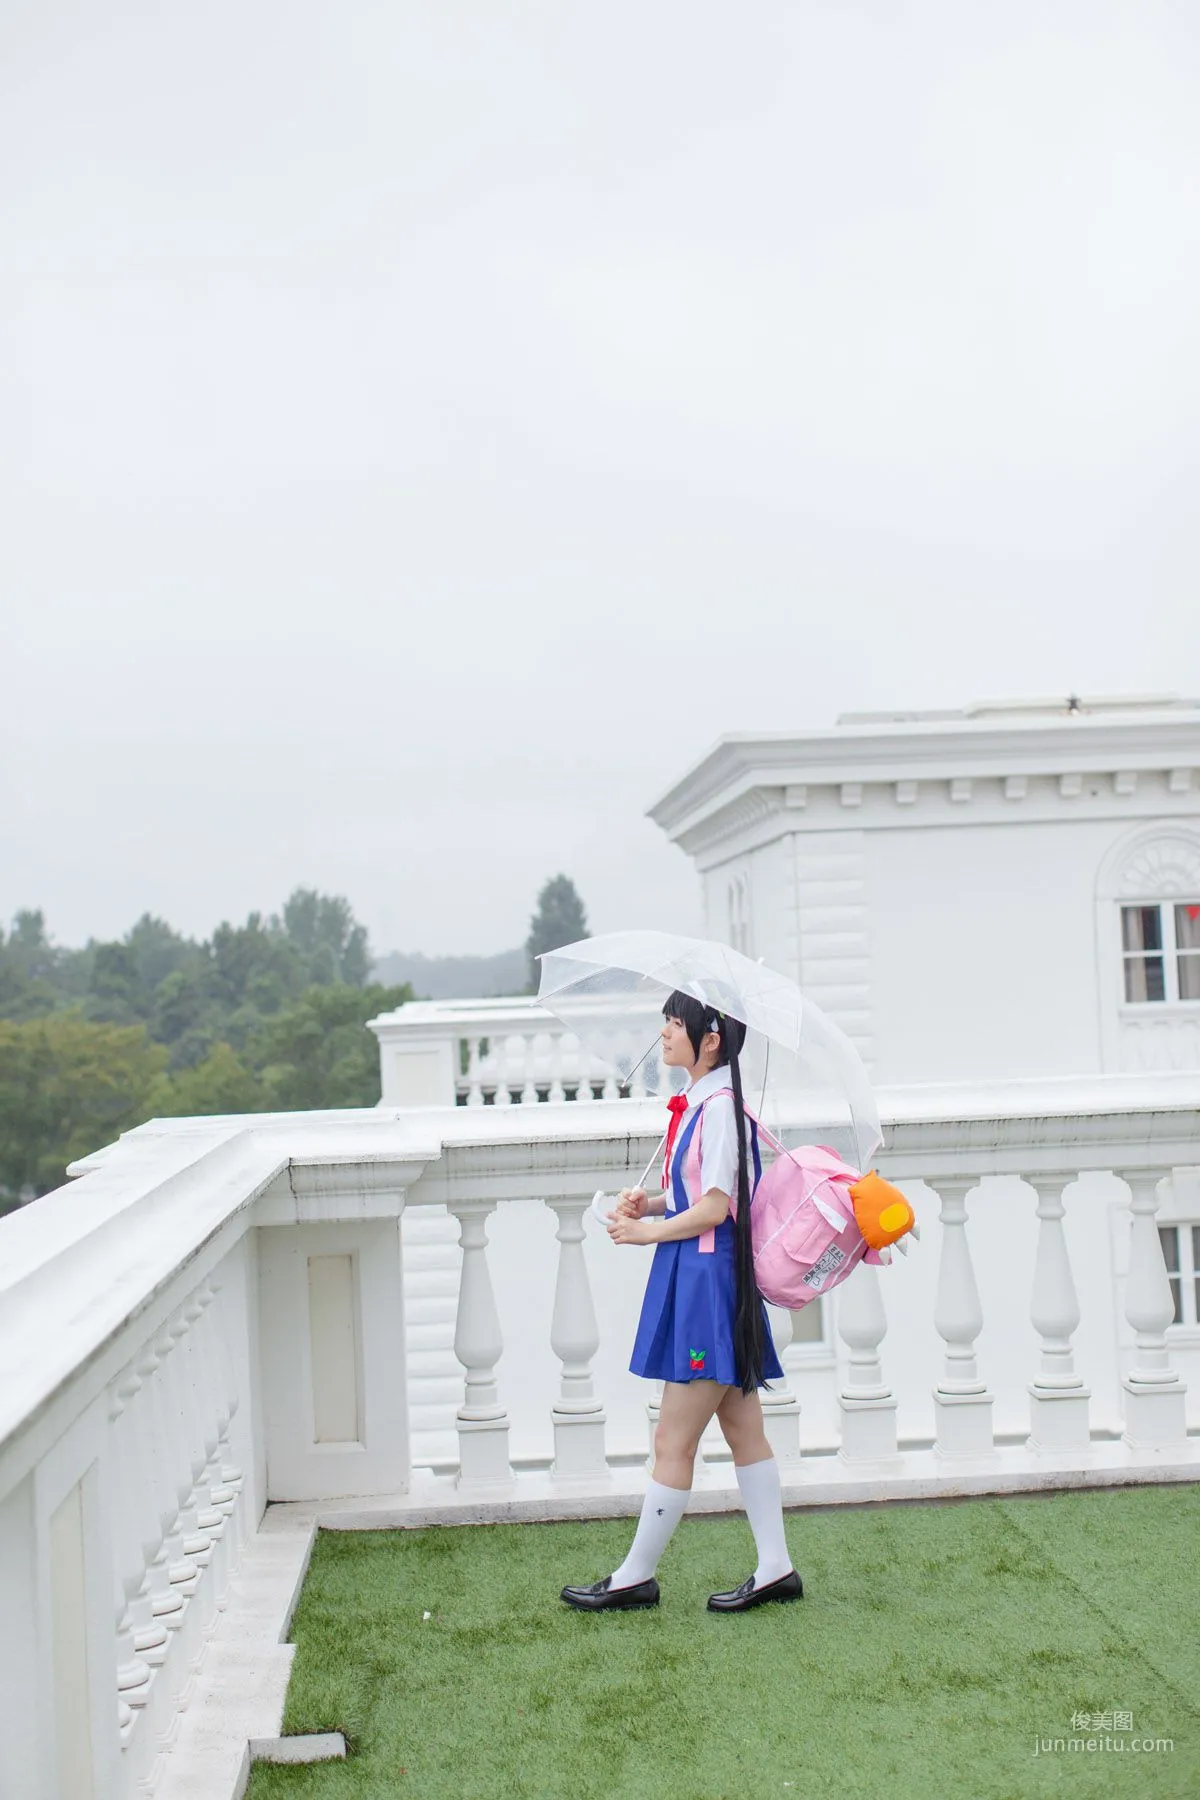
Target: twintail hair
[[749, 1340]]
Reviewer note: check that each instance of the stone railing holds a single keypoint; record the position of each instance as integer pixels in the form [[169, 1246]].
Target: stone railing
[[500, 1053], [404, 1315]]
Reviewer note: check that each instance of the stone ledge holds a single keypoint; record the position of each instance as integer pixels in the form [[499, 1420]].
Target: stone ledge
[[238, 1696], [818, 1481], [316, 1746]]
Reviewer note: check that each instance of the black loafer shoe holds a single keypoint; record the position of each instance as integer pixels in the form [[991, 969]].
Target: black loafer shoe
[[602, 1596], [788, 1587]]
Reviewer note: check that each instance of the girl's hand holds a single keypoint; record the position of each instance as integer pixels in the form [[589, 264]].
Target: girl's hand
[[625, 1230], [631, 1203]]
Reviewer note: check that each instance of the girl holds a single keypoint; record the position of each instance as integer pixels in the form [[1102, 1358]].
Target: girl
[[703, 1329]]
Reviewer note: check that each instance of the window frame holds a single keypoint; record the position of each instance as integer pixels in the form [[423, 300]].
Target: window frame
[[1184, 1279], [1169, 953]]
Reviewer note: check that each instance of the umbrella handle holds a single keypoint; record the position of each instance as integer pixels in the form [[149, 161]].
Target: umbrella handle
[[662, 1140]]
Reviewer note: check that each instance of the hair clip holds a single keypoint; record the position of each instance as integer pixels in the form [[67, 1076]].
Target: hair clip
[[714, 1024]]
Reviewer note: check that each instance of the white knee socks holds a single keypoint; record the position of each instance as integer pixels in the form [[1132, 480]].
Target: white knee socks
[[759, 1484], [662, 1510]]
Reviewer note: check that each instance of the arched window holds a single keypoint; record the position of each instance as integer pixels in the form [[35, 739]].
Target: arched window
[[1160, 923], [1148, 943]]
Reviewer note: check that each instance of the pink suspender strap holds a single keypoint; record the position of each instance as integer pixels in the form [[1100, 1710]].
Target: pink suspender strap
[[691, 1180], [691, 1172]]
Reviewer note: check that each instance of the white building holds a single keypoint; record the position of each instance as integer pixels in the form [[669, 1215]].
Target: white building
[[1008, 891]]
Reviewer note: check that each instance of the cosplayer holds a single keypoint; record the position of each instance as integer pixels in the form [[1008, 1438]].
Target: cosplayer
[[703, 1328]]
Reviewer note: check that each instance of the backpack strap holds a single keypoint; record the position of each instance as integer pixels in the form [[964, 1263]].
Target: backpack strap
[[692, 1164], [831, 1166]]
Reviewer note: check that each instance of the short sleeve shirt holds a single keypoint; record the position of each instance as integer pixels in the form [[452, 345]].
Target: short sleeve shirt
[[718, 1141]]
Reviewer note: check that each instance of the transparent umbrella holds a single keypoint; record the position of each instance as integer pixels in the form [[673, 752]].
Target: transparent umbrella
[[608, 990]]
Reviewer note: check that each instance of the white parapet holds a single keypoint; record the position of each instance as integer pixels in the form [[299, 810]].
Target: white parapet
[[409, 1314], [504, 1052]]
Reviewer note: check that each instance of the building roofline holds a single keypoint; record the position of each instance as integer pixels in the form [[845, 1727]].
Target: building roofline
[[979, 743]]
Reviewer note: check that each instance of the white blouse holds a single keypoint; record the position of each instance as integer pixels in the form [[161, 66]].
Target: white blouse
[[718, 1141]]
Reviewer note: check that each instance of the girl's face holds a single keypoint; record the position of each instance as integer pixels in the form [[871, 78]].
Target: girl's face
[[677, 1049]]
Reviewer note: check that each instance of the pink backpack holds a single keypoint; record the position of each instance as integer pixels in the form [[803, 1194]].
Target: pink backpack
[[815, 1219]]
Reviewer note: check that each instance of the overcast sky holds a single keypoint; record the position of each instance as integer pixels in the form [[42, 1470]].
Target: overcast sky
[[425, 428]]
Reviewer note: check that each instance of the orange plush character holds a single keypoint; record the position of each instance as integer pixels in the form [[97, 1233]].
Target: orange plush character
[[882, 1212]]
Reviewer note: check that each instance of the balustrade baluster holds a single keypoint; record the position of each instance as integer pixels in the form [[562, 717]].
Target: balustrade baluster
[[197, 1544], [171, 1580], [557, 1092], [962, 1402], [578, 1416], [133, 1674], [1154, 1393], [501, 1051], [529, 1093], [474, 1083], [231, 1474], [1058, 1398], [583, 1090], [173, 1463], [204, 1410], [653, 1412], [214, 1502], [478, 1345], [221, 1498], [866, 1402], [145, 1526], [780, 1407]]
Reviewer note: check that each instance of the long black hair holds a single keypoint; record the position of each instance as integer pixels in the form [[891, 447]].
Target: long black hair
[[749, 1345]]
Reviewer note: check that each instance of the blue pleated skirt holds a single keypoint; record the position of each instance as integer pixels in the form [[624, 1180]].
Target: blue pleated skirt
[[685, 1332]]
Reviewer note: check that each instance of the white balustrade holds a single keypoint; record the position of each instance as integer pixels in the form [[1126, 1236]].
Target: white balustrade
[[496, 1066], [474, 1082], [962, 1401], [557, 1092], [495, 1052], [526, 1062], [1058, 1397], [1154, 1393], [152, 1278], [866, 1403], [478, 1345], [575, 1337], [133, 1672], [140, 1535], [781, 1408], [166, 1598]]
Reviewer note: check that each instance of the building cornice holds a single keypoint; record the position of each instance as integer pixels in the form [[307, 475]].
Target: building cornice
[[749, 778]]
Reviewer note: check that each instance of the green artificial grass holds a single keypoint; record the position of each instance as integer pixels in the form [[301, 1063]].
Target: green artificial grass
[[935, 1644]]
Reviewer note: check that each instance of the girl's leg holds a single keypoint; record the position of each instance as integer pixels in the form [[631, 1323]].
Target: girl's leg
[[740, 1418], [686, 1408]]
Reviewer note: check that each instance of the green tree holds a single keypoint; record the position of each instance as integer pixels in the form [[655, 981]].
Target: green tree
[[559, 919], [266, 1015], [29, 969], [184, 1016], [221, 1083], [252, 969], [68, 1085], [323, 929], [318, 1053]]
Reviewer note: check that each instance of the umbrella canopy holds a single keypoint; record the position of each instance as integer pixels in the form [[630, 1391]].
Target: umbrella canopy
[[598, 986]]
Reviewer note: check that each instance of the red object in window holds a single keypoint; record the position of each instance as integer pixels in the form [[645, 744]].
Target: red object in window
[[1193, 912]]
